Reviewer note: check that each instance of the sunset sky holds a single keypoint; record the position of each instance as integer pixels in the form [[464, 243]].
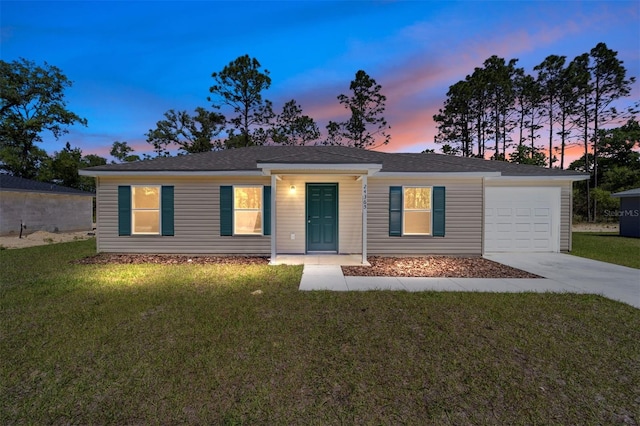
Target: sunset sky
[[132, 61]]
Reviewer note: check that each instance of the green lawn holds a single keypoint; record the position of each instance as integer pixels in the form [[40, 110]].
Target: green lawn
[[607, 247], [123, 344]]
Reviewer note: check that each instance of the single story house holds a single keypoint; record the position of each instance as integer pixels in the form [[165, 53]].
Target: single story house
[[629, 213], [272, 200], [40, 206]]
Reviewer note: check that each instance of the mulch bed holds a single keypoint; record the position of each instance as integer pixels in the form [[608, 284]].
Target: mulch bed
[[435, 266], [169, 259], [425, 266]]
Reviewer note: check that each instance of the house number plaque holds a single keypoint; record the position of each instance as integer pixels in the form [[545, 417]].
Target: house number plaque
[[364, 196]]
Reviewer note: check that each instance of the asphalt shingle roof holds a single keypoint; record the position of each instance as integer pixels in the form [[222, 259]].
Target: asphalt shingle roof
[[635, 192], [14, 183], [250, 158]]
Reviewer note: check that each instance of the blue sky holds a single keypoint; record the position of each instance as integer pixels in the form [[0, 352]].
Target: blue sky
[[132, 61]]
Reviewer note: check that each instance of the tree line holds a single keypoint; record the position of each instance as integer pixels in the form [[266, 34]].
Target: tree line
[[33, 104], [239, 87], [500, 110]]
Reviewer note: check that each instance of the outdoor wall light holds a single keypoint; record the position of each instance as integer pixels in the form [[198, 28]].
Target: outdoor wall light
[[292, 188]]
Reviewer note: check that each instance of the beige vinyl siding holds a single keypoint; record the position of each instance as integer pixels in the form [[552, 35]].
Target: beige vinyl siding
[[463, 235], [565, 203], [291, 219], [196, 218]]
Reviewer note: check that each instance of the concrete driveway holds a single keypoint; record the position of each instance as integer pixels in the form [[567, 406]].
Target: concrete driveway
[[564, 273], [578, 275]]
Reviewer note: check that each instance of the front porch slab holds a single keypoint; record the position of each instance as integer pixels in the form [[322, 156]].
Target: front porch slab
[[319, 259]]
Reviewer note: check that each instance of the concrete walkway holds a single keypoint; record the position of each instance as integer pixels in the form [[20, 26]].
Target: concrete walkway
[[563, 274]]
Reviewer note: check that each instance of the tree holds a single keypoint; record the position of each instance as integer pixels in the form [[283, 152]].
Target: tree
[[65, 165], [450, 150], [293, 128], [608, 84], [619, 146], [454, 121], [500, 94], [619, 164], [528, 118], [619, 167], [618, 179], [62, 168], [524, 154], [11, 160], [366, 128], [240, 85], [568, 98], [523, 85], [600, 79], [550, 73], [334, 133], [122, 152], [234, 140], [189, 133], [581, 118], [478, 105], [88, 183], [32, 102]]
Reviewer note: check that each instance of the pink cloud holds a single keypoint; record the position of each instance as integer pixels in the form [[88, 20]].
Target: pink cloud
[[323, 112]]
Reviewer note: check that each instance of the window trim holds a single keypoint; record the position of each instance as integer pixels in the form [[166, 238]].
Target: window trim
[[158, 209], [259, 210], [404, 210]]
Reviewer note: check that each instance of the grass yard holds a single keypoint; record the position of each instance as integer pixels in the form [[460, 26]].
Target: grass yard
[[607, 247], [123, 344]]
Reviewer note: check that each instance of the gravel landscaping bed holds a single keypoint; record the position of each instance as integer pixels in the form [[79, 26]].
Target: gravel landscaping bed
[[426, 266], [435, 266]]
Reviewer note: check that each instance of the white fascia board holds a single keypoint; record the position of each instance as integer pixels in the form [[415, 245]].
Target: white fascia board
[[433, 175], [537, 178], [170, 173], [369, 168]]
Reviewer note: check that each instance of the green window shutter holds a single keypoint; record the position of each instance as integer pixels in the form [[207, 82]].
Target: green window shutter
[[395, 211], [226, 210], [266, 210], [438, 211], [166, 198], [124, 210]]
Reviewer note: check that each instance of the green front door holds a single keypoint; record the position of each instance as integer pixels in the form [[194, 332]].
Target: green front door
[[322, 217]]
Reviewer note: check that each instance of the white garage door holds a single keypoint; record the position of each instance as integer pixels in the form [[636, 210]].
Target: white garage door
[[522, 219]]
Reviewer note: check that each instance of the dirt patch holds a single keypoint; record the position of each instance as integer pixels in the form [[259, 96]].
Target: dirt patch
[[41, 238], [435, 266], [595, 227]]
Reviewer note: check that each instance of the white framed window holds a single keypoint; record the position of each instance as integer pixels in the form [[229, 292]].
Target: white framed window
[[247, 210], [145, 210], [416, 210]]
